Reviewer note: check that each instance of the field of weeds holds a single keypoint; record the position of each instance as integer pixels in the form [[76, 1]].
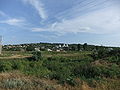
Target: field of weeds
[[58, 71]]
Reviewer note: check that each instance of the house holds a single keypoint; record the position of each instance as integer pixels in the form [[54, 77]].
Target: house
[[37, 49], [49, 50]]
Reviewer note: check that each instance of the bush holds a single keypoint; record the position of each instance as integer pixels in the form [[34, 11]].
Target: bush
[[13, 83], [64, 75], [5, 66], [86, 70], [39, 72], [19, 65], [102, 53], [36, 68], [114, 59], [112, 71], [37, 56]]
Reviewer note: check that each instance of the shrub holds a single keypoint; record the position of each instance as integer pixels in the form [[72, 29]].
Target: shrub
[[5, 66], [102, 53], [13, 83], [30, 48], [112, 71], [39, 72], [114, 59], [71, 81], [37, 56], [64, 75], [36, 68], [19, 65], [86, 70]]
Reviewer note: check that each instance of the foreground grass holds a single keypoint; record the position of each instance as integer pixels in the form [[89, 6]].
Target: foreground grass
[[17, 81], [60, 71]]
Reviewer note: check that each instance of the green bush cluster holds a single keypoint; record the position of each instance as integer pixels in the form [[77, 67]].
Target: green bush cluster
[[111, 55], [25, 66], [37, 56], [113, 71], [63, 69], [5, 66], [86, 70]]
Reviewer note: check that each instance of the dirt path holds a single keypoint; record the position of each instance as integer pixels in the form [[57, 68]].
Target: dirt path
[[64, 55], [15, 56]]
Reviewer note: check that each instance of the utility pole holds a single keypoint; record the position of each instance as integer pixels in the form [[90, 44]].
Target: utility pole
[[0, 44]]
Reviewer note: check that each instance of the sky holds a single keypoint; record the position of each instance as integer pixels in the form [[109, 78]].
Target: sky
[[94, 22]]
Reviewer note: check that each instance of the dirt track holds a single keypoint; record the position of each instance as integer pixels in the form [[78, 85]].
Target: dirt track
[[15, 56]]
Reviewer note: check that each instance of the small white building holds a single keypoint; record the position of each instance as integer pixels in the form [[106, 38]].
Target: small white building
[[58, 50], [65, 45], [37, 49], [60, 46], [49, 50]]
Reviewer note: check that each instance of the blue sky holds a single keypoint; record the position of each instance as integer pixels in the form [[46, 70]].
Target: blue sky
[[67, 21]]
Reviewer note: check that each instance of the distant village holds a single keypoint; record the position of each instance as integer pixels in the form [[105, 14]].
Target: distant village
[[53, 47]]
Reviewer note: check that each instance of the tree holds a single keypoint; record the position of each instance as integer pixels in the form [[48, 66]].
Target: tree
[[30, 48], [37, 56], [85, 46], [78, 47]]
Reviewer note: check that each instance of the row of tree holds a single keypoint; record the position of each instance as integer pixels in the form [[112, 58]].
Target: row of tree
[[54, 46]]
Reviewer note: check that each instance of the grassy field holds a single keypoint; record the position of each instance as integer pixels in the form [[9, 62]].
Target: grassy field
[[45, 54], [57, 71]]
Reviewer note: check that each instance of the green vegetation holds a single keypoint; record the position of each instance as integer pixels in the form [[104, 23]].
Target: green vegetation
[[94, 67]]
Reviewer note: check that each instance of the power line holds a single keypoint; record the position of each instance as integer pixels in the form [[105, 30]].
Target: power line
[[78, 6], [90, 6], [68, 9], [82, 8], [93, 6], [87, 7]]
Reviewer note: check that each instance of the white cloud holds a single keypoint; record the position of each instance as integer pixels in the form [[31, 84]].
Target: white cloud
[[101, 21], [38, 5], [2, 13], [14, 22], [6, 19]]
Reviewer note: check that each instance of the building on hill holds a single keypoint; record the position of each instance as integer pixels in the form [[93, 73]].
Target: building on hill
[[37, 49], [49, 50]]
